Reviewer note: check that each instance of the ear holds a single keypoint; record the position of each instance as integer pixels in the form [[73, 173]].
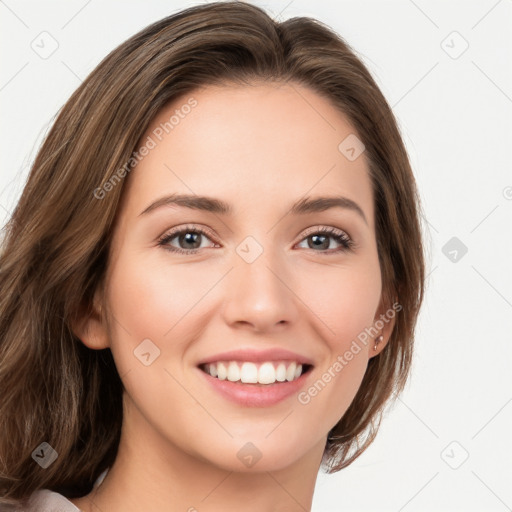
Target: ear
[[383, 323], [91, 326]]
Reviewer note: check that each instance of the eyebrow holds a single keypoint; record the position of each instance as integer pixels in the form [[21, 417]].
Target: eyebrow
[[210, 204]]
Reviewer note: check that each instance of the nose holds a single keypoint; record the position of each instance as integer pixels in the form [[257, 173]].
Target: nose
[[260, 295]]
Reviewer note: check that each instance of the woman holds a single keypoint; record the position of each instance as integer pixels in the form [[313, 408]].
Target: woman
[[144, 373]]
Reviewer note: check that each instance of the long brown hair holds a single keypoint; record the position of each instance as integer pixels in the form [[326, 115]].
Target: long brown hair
[[56, 247]]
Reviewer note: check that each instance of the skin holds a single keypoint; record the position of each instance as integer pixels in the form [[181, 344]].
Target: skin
[[260, 148]]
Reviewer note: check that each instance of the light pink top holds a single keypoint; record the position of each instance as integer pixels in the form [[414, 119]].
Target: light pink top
[[49, 501]]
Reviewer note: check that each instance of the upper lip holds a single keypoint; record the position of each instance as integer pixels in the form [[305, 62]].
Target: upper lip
[[257, 356]]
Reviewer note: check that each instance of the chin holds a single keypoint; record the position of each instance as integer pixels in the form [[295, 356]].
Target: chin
[[255, 453]]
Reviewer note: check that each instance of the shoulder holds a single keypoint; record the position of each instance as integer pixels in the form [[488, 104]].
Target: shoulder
[[45, 500], [49, 501]]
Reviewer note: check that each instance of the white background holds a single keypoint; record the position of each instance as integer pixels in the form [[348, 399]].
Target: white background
[[455, 115]]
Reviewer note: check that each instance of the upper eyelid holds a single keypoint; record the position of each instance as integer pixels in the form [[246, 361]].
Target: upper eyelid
[[331, 230]]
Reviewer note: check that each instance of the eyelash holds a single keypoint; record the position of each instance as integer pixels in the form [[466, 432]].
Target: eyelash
[[347, 244]]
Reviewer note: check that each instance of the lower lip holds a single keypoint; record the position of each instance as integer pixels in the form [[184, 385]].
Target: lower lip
[[255, 395]]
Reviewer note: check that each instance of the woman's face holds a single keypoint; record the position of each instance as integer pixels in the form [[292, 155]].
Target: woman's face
[[244, 284]]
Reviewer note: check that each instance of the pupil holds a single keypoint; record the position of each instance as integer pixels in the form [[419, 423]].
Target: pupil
[[189, 238], [323, 244]]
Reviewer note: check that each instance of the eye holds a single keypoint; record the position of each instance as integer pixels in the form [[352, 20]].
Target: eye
[[189, 240], [189, 237], [320, 238]]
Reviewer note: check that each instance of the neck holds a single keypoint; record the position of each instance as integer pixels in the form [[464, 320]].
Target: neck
[[150, 473]]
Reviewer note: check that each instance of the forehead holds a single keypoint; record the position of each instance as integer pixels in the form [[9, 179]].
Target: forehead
[[252, 145]]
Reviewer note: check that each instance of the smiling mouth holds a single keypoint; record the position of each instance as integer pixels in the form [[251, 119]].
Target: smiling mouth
[[265, 373]]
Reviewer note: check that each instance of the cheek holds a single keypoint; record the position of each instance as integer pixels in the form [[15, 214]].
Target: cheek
[[150, 302], [155, 300], [328, 397], [345, 299], [348, 310]]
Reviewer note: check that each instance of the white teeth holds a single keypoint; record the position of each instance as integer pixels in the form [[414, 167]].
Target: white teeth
[[222, 371], [249, 373], [233, 372], [267, 374], [213, 370], [290, 372], [281, 372], [255, 373]]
